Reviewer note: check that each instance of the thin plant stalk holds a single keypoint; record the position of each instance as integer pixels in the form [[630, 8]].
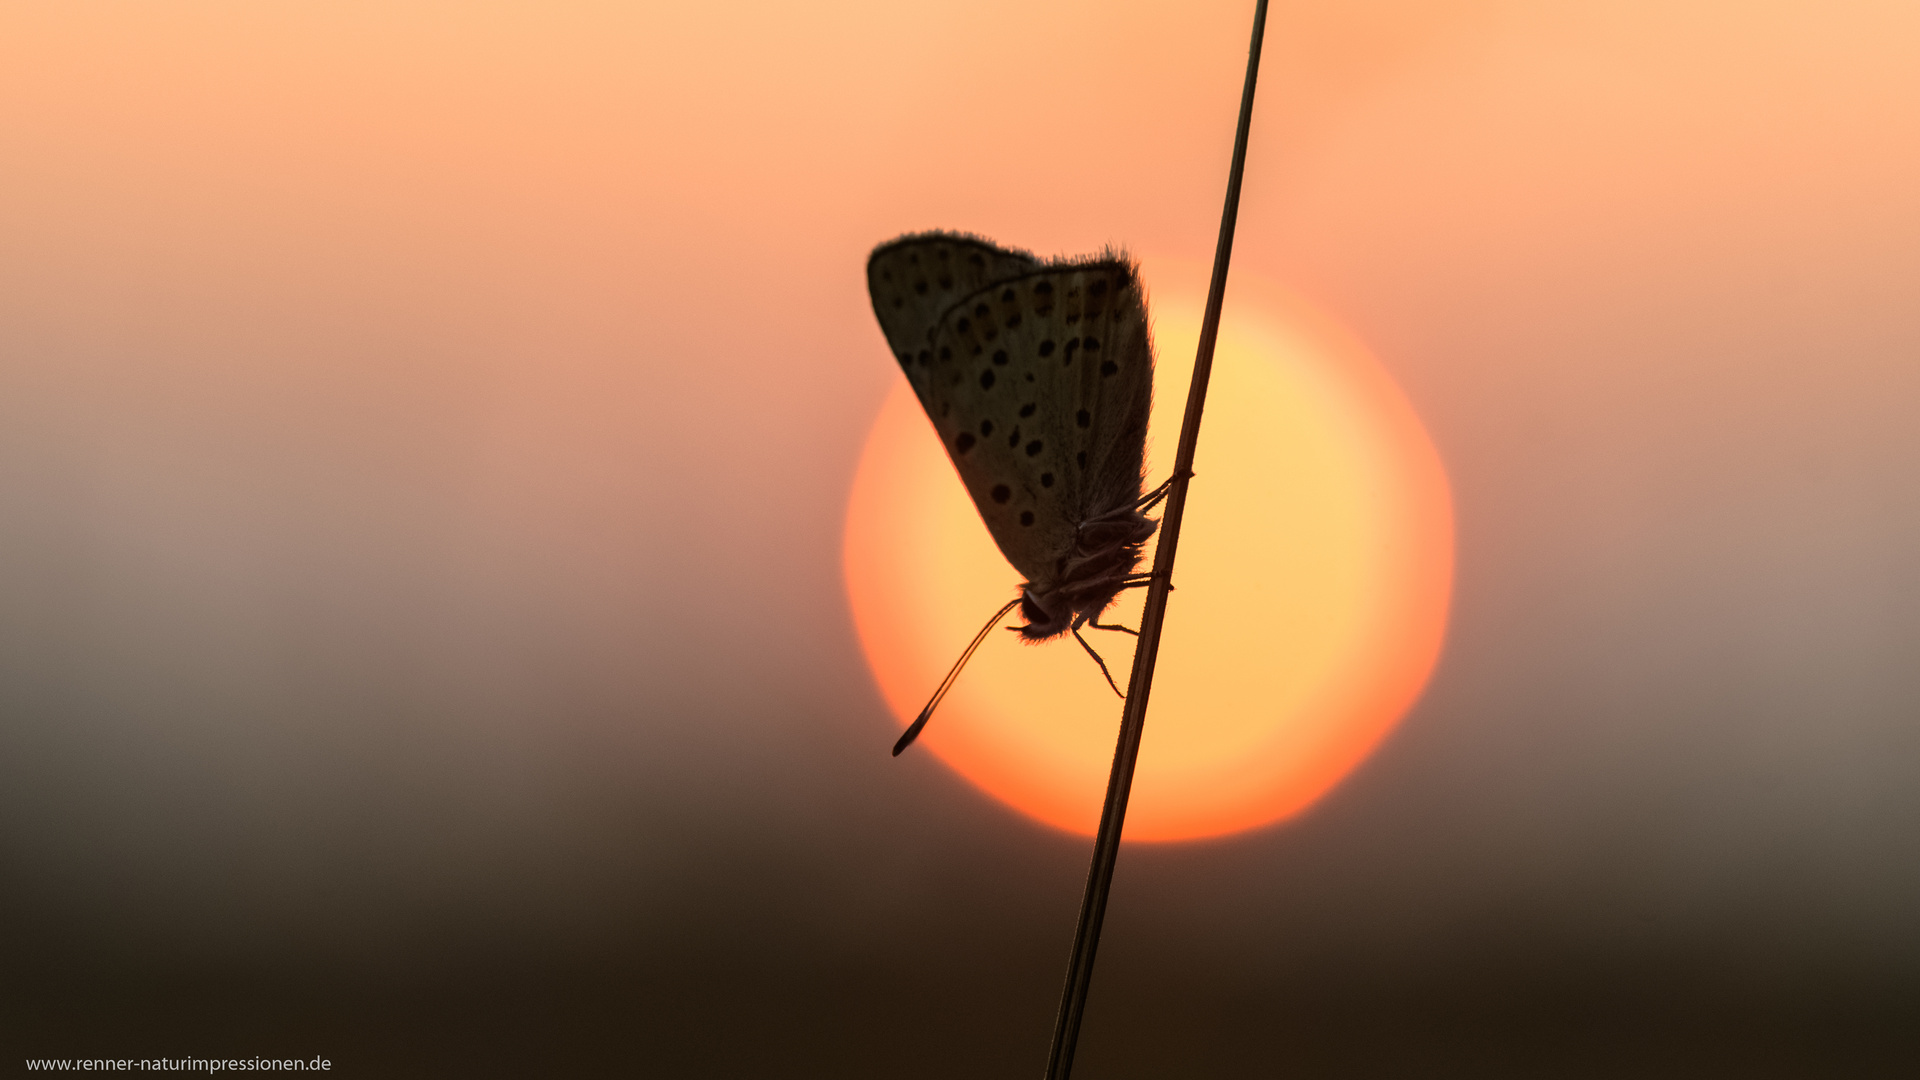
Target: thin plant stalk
[[1106, 844]]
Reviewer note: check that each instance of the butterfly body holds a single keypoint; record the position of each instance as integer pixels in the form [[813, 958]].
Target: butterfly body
[[1038, 377]]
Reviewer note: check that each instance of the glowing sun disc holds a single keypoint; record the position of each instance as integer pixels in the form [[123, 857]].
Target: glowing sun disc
[[1311, 593]]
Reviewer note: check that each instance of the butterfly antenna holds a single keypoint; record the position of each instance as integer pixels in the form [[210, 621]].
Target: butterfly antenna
[[946, 684], [1097, 660]]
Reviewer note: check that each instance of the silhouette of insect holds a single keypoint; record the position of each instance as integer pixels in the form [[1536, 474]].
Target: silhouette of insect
[[1038, 375]]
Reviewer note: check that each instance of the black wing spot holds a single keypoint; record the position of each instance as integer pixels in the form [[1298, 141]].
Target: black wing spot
[[1046, 479], [1098, 287], [986, 379], [1073, 318], [1029, 376], [1000, 357], [1033, 448], [1091, 344], [964, 324], [976, 260], [1006, 297], [1043, 287], [965, 442], [979, 310], [1071, 346], [946, 353], [1026, 517], [1013, 440], [1081, 457], [920, 286], [1083, 418], [926, 356], [1046, 348], [1013, 320], [986, 427], [1001, 493], [1027, 409], [946, 282], [1108, 367], [899, 301]]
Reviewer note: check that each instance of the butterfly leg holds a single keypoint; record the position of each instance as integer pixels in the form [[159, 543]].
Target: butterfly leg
[[1152, 498], [1131, 581], [1097, 660]]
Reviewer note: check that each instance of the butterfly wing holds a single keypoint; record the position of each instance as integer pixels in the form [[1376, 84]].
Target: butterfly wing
[[915, 279], [1040, 386]]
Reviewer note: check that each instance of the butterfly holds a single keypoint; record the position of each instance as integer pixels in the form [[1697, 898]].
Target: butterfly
[[1038, 376]]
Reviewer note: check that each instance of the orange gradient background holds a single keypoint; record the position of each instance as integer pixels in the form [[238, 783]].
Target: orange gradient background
[[428, 431], [1312, 587]]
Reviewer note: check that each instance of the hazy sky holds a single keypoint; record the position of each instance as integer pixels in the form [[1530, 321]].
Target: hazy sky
[[425, 431]]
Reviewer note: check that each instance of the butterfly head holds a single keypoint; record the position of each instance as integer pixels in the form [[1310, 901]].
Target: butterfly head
[[1048, 615]]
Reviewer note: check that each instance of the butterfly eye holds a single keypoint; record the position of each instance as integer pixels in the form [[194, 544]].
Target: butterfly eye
[[1032, 612]]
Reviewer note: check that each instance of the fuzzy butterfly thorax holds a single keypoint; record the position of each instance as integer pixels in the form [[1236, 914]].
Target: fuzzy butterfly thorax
[[1038, 376]]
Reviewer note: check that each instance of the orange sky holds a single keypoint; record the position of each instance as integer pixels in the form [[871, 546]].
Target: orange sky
[[569, 176]]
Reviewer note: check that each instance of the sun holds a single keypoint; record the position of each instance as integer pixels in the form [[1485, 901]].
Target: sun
[[1310, 597]]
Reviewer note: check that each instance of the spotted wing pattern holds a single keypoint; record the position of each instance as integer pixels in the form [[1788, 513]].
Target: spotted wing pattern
[[1040, 384], [915, 279]]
